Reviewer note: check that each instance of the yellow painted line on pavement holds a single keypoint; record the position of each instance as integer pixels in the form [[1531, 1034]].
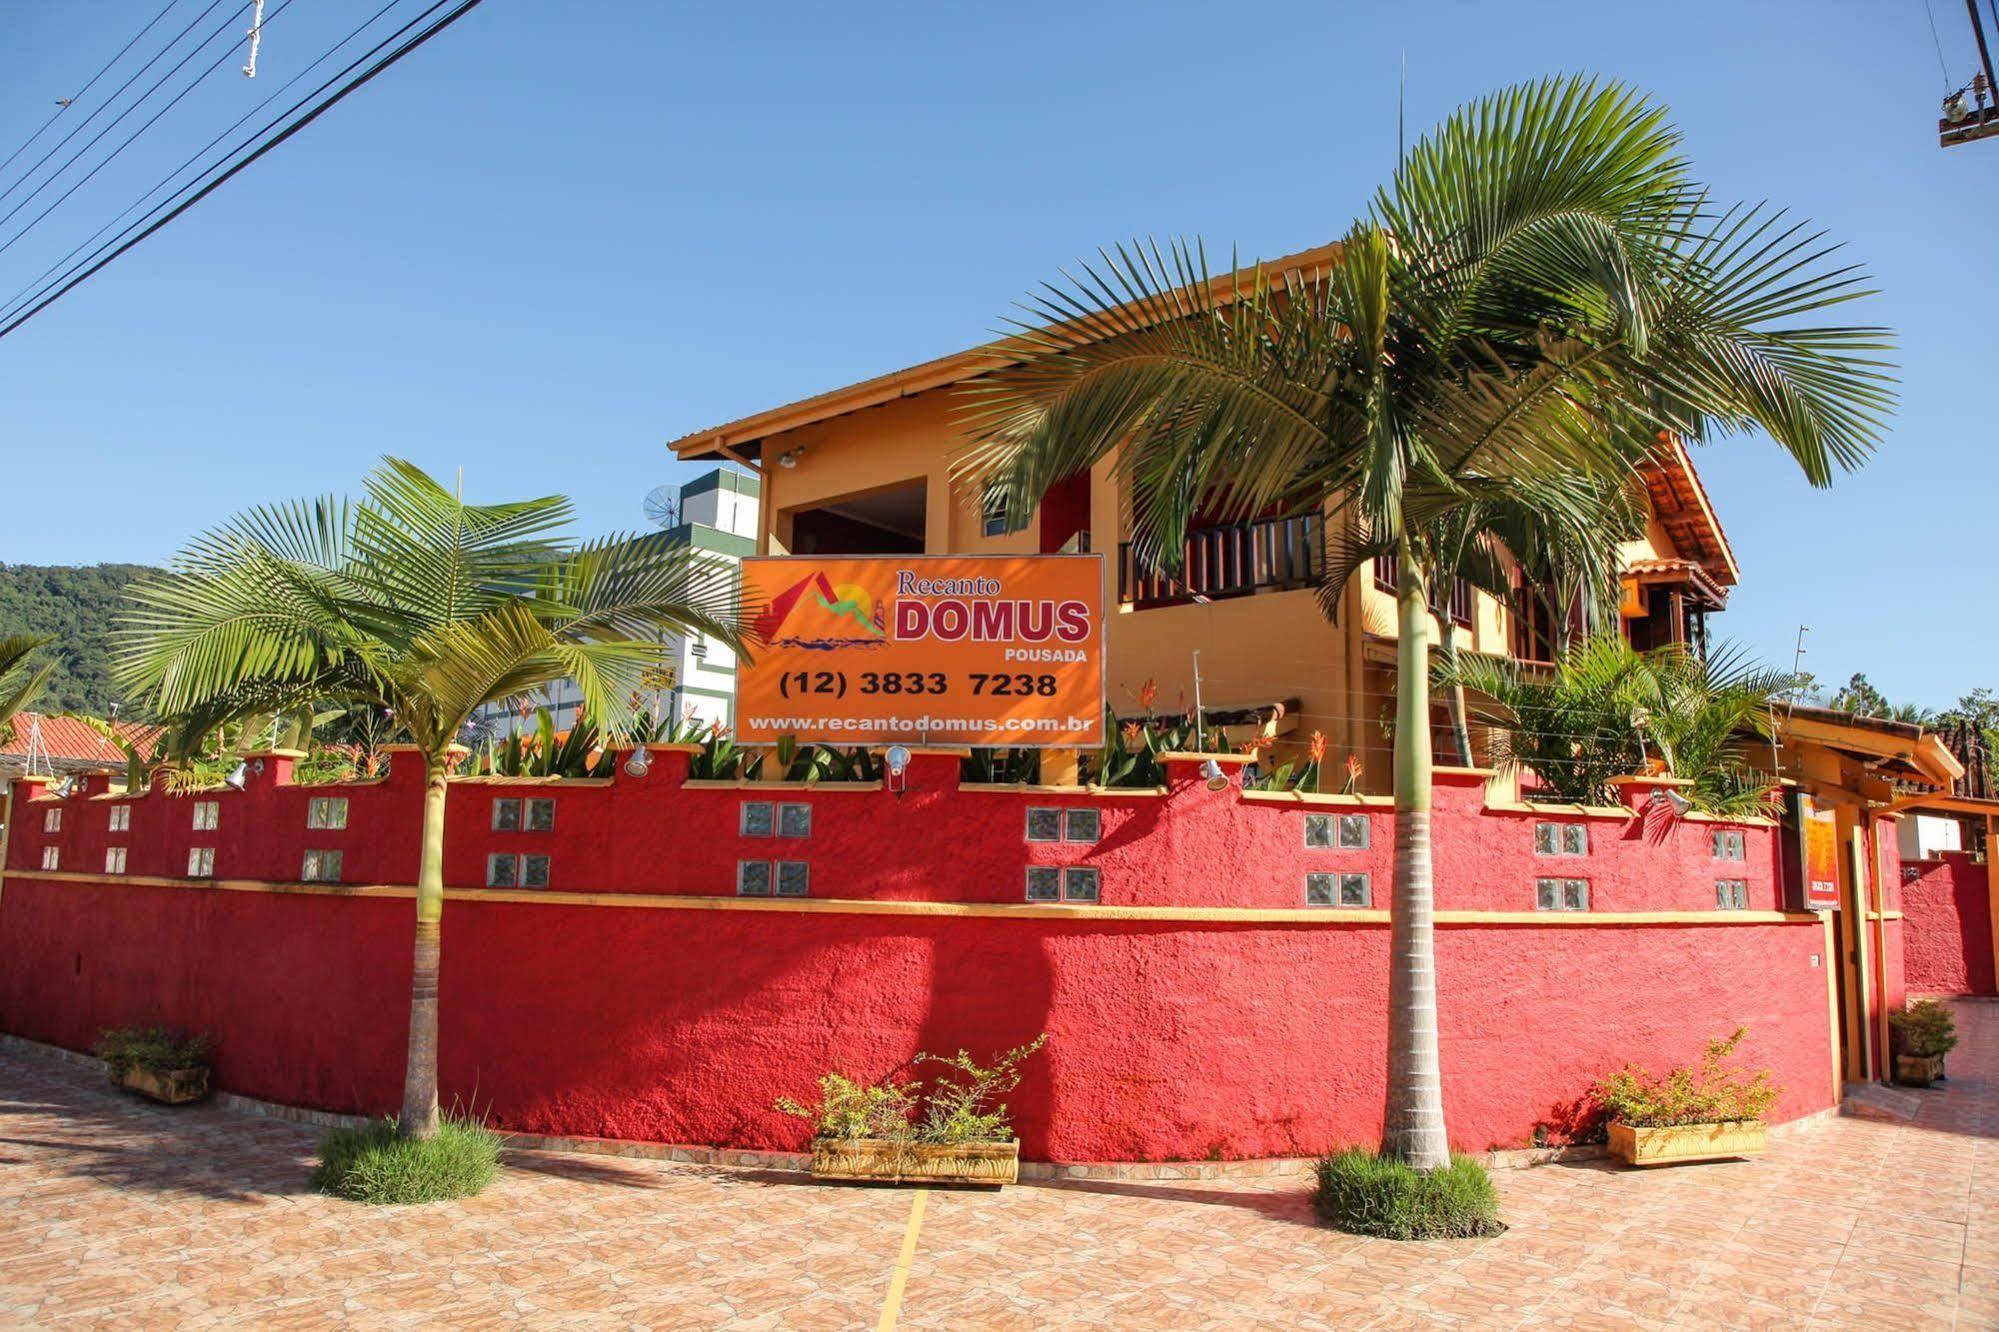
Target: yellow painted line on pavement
[[892, 1306]]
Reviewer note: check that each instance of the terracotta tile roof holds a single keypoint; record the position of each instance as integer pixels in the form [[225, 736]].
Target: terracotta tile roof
[[1680, 503], [67, 738]]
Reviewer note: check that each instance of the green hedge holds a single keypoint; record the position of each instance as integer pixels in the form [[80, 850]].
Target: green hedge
[[1366, 1194]]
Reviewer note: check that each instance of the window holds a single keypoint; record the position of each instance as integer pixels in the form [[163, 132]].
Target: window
[[1043, 824], [1561, 894], [755, 818], [1082, 825], [1342, 890], [993, 512], [794, 821], [502, 870], [1731, 894], [52, 821], [326, 812], [114, 860], [753, 877], [1729, 844], [1561, 839], [794, 878], [1349, 832], [1080, 884], [121, 818], [200, 862], [207, 813], [51, 857], [1044, 883], [534, 871], [541, 815], [321, 866], [506, 815]]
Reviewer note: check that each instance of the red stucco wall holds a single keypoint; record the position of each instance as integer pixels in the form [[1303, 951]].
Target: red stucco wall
[[1168, 1039], [1947, 926]]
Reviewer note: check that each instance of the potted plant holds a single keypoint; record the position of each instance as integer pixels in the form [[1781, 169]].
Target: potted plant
[[1707, 1112], [898, 1132], [1924, 1034], [167, 1066]]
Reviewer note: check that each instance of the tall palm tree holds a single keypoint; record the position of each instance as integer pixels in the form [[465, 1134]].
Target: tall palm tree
[[414, 601], [20, 682], [1540, 292]]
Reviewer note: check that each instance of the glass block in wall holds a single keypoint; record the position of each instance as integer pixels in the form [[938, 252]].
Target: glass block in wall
[[794, 878], [506, 815], [1318, 830], [1043, 824], [757, 818], [534, 871], [794, 820], [1082, 825], [1321, 890], [1355, 890], [541, 815], [753, 878], [1044, 883], [1080, 884]]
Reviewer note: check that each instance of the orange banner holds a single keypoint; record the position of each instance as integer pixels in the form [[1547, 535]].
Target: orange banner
[[925, 650], [1818, 832]]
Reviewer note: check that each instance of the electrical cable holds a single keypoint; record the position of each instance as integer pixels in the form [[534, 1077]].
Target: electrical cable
[[96, 265], [68, 102], [30, 172], [228, 54], [14, 301]]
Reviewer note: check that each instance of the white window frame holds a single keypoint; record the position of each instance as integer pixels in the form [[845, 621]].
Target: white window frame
[[1730, 844], [119, 818], [114, 860], [1562, 884], [52, 820], [1731, 894], [201, 862], [1561, 835], [51, 857], [322, 866], [207, 815], [326, 813]]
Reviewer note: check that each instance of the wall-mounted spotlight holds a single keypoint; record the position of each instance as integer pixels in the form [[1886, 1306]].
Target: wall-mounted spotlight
[[639, 763], [1217, 779]]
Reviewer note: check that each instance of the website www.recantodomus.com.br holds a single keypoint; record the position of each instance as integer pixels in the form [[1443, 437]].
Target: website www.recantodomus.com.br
[[924, 725]]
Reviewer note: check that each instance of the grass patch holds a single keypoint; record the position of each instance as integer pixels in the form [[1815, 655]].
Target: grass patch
[[1366, 1194], [373, 1165]]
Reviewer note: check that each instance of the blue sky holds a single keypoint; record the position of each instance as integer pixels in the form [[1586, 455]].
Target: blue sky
[[562, 234]]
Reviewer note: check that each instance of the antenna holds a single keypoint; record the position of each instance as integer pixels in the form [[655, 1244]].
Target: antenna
[[662, 506], [1401, 102]]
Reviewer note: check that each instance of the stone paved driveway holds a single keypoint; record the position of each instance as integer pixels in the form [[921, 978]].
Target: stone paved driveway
[[112, 1211]]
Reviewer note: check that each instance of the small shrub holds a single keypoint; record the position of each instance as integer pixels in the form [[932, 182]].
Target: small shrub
[[956, 1109], [373, 1164], [1363, 1193], [1710, 1092], [1924, 1029], [155, 1049]]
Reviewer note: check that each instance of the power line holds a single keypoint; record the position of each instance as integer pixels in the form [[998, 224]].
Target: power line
[[112, 100], [228, 53], [95, 265], [67, 102], [13, 302]]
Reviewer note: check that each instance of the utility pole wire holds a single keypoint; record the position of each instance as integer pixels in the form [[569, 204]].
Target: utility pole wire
[[228, 53], [112, 100], [15, 301], [64, 104], [465, 7]]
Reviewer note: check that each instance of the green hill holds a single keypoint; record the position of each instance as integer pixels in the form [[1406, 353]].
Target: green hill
[[76, 604]]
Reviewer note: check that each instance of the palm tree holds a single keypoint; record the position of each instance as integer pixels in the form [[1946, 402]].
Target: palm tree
[[20, 682], [413, 601], [1540, 292]]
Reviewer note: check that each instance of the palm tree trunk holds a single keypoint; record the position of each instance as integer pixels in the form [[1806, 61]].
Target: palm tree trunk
[[1413, 1123], [419, 1116], [1460, 721]]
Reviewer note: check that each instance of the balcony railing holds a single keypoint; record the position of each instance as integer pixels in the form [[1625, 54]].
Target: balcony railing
[[1268, 555]]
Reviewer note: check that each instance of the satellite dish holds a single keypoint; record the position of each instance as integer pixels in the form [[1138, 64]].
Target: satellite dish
[[662, 506]]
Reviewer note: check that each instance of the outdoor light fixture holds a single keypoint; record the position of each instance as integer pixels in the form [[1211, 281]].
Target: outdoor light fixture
[[1679, 803], [237, 776], [789, 458], [897, 759], [639, 763], [1217, 779]]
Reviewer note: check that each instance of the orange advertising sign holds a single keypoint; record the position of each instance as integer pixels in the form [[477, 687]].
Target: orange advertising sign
[[1818, 831], [1002, 651]]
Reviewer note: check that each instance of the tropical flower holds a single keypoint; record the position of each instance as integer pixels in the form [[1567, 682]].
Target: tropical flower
[[1318, 746], [1147, 693]]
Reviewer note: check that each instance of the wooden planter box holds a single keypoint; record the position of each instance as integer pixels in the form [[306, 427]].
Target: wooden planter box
[[879, 1159], [1918, 1070], [1688, 1142], [173, 1087]]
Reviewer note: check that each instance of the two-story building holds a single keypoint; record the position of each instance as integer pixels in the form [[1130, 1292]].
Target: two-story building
[[866, 469]]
